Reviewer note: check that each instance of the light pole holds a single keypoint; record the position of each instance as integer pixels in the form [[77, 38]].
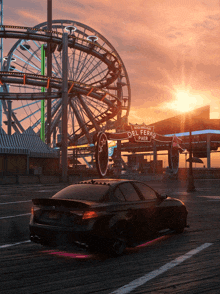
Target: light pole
[[190, 187]]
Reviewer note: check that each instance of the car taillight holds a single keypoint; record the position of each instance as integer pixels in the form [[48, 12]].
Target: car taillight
[[34, 209], [89, 214], [85, 214]]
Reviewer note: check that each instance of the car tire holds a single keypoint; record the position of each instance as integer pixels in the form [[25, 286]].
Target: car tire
[[180, 223], [119, 243], [118, 247]]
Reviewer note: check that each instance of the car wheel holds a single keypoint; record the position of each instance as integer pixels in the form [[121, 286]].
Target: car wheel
[[119, 243], [180, 223], [118, 247]]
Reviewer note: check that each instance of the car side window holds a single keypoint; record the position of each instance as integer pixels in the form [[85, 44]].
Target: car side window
[[118, 194], [147, 192], [129, 192]]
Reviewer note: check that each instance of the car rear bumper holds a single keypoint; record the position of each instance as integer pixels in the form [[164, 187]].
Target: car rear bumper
[[51, 235]]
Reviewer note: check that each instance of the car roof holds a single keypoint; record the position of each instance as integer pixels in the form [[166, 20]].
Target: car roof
[[109, 182]]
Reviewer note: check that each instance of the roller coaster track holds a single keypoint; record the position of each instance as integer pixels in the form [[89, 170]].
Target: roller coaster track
[[98, 89], [27, 33], [55, 83]]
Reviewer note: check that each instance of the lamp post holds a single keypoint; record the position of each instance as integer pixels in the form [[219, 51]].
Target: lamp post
[[190, 187]]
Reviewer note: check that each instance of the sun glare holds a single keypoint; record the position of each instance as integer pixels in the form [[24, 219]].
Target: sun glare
[[185, 101]]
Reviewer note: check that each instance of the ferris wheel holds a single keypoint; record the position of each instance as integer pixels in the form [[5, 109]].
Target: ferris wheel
[[99, 87]]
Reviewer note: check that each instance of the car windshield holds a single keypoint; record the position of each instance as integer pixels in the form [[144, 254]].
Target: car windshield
[[89, 192]]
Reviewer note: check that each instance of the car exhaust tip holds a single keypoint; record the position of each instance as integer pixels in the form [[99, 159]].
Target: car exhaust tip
[[35, 239]]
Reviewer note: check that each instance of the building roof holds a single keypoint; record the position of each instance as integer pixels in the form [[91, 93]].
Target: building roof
[[26, 143], [197, 119]]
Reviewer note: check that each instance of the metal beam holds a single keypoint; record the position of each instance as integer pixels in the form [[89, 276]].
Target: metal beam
[[80, 121], [49, 69], [88, 112], [64, 107]]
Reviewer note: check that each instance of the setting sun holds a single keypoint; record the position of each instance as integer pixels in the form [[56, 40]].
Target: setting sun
[[185, 101]]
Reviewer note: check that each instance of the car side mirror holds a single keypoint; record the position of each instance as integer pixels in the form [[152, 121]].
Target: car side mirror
[[162, 196]]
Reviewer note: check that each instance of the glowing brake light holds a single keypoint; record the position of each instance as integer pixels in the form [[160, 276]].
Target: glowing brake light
[[89, 214], [34, 209]]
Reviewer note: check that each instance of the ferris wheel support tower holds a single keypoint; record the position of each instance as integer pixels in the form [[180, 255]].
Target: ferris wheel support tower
[[1, 57]]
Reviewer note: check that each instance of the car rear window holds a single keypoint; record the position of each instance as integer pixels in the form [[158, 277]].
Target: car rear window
[[89, 192]]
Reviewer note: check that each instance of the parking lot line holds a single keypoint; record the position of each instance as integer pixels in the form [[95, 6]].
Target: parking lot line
[[15, 202], [211, 197], [10, 216], [142, 280], [13, 244]]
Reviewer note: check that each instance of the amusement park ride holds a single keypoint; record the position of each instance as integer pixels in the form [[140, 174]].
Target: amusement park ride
[[86, 89]]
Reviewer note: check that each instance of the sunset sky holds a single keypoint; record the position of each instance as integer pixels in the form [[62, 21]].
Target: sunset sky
[[171, 49]]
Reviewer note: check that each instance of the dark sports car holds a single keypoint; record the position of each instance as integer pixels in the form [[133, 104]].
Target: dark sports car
[[105, 214]]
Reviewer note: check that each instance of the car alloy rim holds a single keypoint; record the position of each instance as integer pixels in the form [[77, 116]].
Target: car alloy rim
[[119, 246]]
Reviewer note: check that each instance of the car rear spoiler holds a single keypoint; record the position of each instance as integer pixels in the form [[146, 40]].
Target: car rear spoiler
[[61, 202]]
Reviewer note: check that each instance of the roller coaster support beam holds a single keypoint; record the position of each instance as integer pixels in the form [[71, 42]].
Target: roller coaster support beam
[[49, 69], [9, 117], [118, 129], [42, 129], [64, 107]]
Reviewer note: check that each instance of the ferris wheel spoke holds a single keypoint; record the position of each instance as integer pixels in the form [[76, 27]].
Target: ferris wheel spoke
[[33, 53], [82, 66], [80, 121], [37, 68], [82, 111], [57, 67], [78, 64], [88, 112], [71, 73], [91, 60], [26, 105], [92, 104], [56, 119], [17, 124], [54, 109], [27, 117], [98, 74], [72, 118], [89, 73], [30, 58], [15, 69]]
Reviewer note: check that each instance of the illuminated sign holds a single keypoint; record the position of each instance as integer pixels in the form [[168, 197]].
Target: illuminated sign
[[142, 133], [102, 154]]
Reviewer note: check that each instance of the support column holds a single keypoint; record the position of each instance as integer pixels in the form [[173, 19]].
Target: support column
[[64, 106], [9, 117], [42, 129], [28, 163], [54, 138], [191, 186], [208, 151], [49, 69], [155, 156], [118, 129]]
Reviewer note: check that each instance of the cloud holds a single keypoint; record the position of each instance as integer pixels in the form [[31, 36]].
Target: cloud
[[165, 45]]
